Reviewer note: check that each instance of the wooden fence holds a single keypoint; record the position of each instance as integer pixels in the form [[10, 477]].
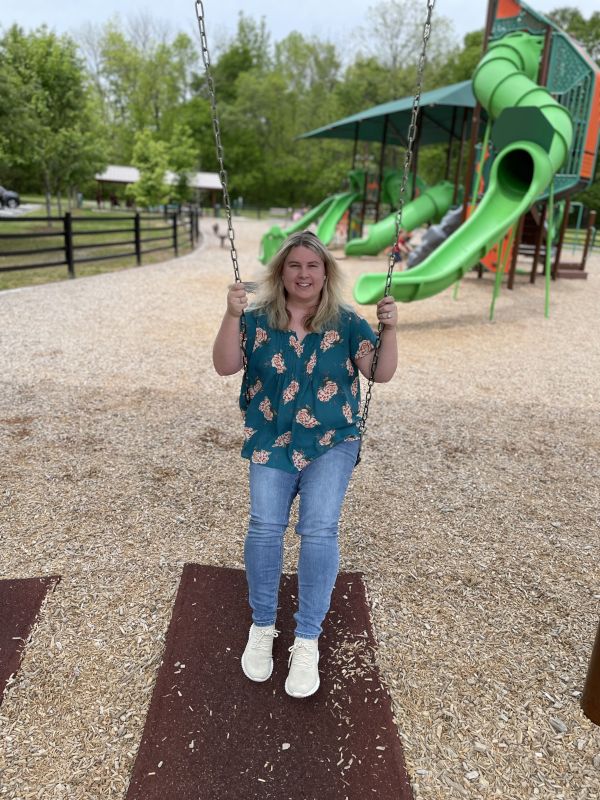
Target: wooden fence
[[72, 240]]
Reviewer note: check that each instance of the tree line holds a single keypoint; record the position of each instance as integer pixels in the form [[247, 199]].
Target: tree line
[[136, 93]]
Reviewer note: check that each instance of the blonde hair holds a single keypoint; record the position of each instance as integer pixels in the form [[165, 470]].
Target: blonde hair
[[271, 295]]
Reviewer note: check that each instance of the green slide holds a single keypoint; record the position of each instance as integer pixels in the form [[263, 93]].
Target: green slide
[[329, 221], [431, 205], [329, 212], [275, 236], [533, 133]]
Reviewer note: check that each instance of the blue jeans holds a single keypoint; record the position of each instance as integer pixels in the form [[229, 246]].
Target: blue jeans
[[321, 486]]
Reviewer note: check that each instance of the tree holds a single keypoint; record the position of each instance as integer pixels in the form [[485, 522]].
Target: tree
[[461, 62], [142, 74], [183, 159], [150, 156], [249, 50], [395, 34], [44, 85], [587, 31]]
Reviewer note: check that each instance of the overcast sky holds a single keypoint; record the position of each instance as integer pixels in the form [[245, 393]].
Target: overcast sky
[[331, 19]]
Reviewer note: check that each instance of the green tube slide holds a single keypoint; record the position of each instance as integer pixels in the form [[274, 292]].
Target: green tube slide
[[428, 206], [275, 236], [534, 134]]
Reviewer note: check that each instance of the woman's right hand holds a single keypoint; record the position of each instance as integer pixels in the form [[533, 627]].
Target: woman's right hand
[[237, 299]]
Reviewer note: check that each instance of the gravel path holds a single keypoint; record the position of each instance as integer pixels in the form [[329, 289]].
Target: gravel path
[[474, 516]]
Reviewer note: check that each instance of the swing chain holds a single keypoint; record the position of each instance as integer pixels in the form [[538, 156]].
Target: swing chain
[[408, 157], [223, 177]]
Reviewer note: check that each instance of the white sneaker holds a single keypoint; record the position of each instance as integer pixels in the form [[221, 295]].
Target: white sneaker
[[303, 679], [257, 660]]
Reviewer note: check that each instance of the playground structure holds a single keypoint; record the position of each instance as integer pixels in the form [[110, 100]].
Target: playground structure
[[332, 210], [536, 106], [540, 147]]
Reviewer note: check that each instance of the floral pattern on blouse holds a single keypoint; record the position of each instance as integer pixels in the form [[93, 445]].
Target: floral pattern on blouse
[[304, 396]]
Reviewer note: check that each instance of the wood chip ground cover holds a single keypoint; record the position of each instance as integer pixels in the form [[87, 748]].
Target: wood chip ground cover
[[474, 517]]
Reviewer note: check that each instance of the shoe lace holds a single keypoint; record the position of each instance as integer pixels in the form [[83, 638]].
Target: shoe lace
[[302, 654], [261, 639]]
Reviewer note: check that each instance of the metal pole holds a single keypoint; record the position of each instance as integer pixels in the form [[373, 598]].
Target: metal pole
[[416, 154], [489, 24], [175, 235], [515, 244], [354, 154], [538, 243], [354, 151], [381, 161], [549, 237], [588, 238], [459, 161], [561, 237], [450, 141]]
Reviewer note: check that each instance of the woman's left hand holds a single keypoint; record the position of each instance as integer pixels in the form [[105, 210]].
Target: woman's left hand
[[387, 312]]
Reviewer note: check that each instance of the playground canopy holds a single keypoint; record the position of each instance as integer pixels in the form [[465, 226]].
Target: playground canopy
[[389, 122]]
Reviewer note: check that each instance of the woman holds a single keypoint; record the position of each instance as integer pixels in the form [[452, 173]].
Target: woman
[[301, 403]]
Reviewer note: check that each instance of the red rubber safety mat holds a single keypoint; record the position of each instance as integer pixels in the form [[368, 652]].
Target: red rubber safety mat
[[213, 734], [20, 603]]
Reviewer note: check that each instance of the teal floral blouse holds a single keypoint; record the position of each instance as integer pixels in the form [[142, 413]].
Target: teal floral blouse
[[304, 396]]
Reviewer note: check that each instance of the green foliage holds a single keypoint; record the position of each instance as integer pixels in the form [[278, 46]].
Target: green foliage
[[183, 159], [51, 136], [249, 51], [141, 79], [461, 62], [150, 156], [587, 31]]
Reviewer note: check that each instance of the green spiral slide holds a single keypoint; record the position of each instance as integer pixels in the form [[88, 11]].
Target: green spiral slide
[[534, 134], [431, 205]]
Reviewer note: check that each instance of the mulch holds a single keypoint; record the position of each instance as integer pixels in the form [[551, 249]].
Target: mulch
[[20, 603], [211, 733]]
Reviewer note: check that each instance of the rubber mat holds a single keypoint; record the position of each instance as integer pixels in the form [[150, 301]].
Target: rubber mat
[[212, 733], [20, 603]]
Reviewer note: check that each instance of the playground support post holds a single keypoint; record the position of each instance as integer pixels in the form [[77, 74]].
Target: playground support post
[[561, 237], [381, 163], [415, 162], [515, 253], [489, 24], [538, 243], [354, 155], [501, 265], [450, 142], [590, 699], [549, 238], [461, 151], [588, 238]]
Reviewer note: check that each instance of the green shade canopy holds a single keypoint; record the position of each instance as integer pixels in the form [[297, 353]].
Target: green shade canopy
[[442, 117]]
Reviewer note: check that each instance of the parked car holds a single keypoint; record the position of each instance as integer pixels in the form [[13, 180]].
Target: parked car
[[9, 199]]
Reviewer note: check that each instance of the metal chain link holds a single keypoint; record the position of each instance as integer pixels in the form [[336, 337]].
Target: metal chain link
[[222, 177], [412, 133]]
